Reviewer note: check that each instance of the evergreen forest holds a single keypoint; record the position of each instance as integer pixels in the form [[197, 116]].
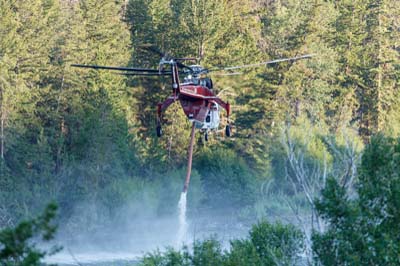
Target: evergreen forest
[[312, 167]]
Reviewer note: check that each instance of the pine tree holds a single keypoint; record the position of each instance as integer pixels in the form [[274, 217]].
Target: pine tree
[[365, 39], [8, 48], [380, 60]]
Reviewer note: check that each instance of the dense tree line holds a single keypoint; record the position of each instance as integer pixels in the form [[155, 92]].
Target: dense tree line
[[77, 135]]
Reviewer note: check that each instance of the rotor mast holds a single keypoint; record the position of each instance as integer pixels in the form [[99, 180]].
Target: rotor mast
[[175, 78]]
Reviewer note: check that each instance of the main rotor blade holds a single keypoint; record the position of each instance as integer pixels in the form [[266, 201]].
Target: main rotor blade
[[147, 74], [227, 74], [133, 69], [264, 63]]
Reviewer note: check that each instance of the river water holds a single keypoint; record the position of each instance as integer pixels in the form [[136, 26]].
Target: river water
[[128, 248], [94, 259]]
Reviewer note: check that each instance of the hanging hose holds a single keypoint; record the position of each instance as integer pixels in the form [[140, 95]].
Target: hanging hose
[[190, 155]]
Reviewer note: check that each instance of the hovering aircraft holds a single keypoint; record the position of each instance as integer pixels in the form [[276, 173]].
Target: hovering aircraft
[[196, 95]]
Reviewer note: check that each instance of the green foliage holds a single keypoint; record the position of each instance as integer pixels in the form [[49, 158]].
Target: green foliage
[[226, 179], [277, 244], [267, 244], [207, 252], [78, 135], [363, 231], [64, 130], [16, 245], [170, 257], [243, 252]]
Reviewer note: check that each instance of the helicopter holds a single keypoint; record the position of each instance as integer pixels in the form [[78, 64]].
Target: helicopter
[[196, 95]]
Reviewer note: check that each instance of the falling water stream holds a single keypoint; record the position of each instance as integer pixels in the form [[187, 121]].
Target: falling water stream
[[182, 231]]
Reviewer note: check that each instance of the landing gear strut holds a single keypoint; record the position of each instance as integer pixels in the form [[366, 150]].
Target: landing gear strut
[[159, 131], [228, 130], [228, 126]]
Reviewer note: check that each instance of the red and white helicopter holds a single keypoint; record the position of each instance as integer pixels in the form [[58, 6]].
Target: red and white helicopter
[[195, 94]]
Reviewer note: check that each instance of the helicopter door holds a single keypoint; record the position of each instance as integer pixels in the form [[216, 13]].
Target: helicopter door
[[212, 118]]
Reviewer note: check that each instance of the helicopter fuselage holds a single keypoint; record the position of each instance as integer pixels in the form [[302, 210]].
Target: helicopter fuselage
[[199, 103], [200, 106]]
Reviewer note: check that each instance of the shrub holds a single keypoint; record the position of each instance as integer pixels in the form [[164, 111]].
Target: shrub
[[207, 253], [277, 244], [16, 245], [242, 252], [267, 244], [364, 230]]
